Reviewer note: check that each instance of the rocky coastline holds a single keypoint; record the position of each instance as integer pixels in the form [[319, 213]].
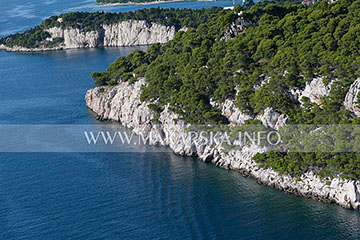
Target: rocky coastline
[[123, 34], [122, 103]]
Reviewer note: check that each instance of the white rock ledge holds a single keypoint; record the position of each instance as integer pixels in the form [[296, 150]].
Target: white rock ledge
[[122, 103]]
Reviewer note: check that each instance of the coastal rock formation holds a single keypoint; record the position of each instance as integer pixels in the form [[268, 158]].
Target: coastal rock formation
[[133, 33], [122, 103], [125, 33], [74, 38], [351, 98]]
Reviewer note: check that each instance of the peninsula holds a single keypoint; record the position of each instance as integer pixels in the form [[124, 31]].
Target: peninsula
[[269, 64], [99, 29]]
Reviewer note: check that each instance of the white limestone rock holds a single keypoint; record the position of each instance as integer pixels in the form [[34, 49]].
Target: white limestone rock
[[315, 90], [56, 32], [74, 38], [273, 119], [136, 32], [120, 103], [231, 112], [351, 98]]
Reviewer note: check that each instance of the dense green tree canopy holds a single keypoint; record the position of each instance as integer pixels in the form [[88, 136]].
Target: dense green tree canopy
[[289, 43]]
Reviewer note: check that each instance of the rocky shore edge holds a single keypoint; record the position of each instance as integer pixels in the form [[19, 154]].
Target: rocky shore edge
[[122, 103], [24, 49]]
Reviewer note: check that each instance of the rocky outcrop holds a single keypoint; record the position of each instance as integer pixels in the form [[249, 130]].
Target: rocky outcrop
[[125, 33], [231, 112], [273, 119], [314, 90], [122, 103], [351, 99], [269, 118], [133, 33], [232, 31], [74, 38]]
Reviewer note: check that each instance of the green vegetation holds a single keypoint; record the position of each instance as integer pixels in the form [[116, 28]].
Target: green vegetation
[[170, 17], [32, 38], [289, 43], [346, 165], [86, 21]]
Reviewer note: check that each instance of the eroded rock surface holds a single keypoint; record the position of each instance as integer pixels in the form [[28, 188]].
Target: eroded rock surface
[[351, 99]]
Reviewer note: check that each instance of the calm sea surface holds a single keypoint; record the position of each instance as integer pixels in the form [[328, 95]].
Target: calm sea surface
[[125, 195]]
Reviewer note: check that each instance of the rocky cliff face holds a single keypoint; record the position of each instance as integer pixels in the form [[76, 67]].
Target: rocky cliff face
[[126, 33], [74, 38], [122, 103], [351, 98], [132, 33]]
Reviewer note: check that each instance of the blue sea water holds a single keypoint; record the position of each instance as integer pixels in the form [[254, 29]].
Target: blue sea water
[[20, 15], [125, 195]]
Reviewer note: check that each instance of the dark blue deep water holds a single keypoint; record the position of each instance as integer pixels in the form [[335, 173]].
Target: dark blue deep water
[[125, 195]]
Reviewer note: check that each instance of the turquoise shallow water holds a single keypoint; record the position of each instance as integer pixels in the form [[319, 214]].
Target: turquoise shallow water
[[125, 195]]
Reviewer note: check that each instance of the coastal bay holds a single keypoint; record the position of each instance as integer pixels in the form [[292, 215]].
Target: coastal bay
[[143, 195]]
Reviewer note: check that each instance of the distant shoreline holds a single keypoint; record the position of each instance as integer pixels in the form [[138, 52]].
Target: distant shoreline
[[148, 3]]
